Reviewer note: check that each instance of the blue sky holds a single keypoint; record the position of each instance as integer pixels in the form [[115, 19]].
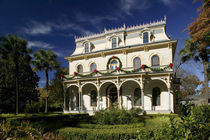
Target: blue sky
[[52, 24]]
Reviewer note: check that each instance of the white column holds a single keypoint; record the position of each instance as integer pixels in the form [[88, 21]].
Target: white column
[[79, 99], [142, 98], [70, 100], [98, 99], [64, 98], [118, 98], [169, 100]]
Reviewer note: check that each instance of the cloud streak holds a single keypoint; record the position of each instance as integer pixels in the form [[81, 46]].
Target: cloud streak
[[39, 44]]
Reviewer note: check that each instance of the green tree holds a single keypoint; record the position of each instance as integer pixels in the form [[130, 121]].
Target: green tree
[[57, 89], [13, 50], [199, 30], [47, 61]]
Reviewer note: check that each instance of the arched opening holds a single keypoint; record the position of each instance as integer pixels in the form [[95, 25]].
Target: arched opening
[[72, 99], [114, 64], [131, 94], [109, 95], [79, 68], [89, 96]]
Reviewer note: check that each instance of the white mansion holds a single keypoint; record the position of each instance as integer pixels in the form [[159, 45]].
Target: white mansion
[[126, 67]]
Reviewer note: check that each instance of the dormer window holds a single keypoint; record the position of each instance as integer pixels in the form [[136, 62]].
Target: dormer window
[[86, 47], [114, 43], [145, 37]]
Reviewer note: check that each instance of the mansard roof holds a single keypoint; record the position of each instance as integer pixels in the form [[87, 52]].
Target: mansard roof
[[121, 29]]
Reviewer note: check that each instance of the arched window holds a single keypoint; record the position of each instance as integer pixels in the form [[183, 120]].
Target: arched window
[[136, 63], [80, 69], [114, 43], [156, 96], [93, 96], [155, 61], [114, 64], [137, 97], [86, 47], [92, 67], [145, 37]]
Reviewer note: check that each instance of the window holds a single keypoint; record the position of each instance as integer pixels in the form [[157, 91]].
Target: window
[[114, 43], [137, 97], [80, 69], [136, 63], [155, 61], [86, 47], [92, 67], [145, 37], [93, 96], [114, 64], [156, 96]]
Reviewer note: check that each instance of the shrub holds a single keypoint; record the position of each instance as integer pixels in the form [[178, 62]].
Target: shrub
[[24, 131], [114, 116]]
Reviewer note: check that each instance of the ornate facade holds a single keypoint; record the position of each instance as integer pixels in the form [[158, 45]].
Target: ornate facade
[[126, 67]]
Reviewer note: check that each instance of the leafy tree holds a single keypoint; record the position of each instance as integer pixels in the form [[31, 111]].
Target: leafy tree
[[197, 46], [45, 60], [56, 88], [13, 50], [189, 85]]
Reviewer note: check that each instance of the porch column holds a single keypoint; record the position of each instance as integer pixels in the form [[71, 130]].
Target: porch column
[[70, 93], [80, 92], [118, 98], [64, 97], [142, 98], [98, 99], [169, 100]]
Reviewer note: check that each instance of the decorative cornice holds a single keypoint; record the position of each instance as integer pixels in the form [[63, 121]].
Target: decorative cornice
[[121, 29]]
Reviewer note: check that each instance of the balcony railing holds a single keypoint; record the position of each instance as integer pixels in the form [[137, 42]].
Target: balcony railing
[[119, 71]]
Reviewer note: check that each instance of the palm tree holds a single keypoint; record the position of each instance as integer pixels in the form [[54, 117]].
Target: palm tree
[[191, 51], [14, 51], [45, 60]]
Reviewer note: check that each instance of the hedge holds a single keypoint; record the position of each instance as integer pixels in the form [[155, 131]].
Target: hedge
[[101, 134]]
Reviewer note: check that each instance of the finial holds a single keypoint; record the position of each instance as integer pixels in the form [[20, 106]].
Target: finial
[[165, 18]]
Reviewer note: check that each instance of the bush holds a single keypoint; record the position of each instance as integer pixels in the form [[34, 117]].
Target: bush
[[114, 116], [24, 131]]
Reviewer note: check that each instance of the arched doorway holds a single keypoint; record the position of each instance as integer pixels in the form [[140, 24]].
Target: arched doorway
[[112, 95]]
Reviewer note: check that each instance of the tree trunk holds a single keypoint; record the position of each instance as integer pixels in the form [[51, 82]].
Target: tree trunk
[[206, 88], [46, 102], [16, 88]]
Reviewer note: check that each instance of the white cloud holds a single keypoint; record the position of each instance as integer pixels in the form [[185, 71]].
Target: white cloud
[[39, 44], [34, 28], [128, 5]]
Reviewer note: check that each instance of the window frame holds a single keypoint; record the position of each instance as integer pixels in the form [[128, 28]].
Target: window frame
[[156, 65], [115, 65], [92, 70], [116, 45], [134, 63], [144, 37], [87, 47], [78, 68]]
